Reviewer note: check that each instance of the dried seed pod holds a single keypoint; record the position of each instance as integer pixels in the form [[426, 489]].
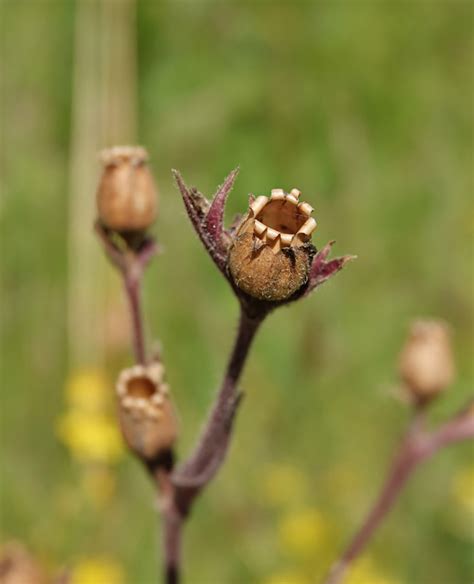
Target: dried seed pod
[[426, 361], [18, 566], [126, 196], [271, 253], [147, 416]]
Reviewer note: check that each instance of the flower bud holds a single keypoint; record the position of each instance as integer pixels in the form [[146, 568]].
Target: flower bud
[[426, 361], [147, 417], [271, 253], [126, 197]]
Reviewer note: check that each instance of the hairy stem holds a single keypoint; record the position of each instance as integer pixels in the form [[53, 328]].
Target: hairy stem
[[212, 445], [416, 447], [209, 454]]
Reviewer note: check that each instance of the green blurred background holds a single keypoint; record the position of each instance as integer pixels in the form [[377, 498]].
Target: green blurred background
[[364, 106]]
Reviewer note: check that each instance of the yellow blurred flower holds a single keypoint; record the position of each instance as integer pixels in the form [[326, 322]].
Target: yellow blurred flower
[[365, 572], [87, 428], [97, 571], [287, 578], [282, 484], [88, 390], [91, 437], [462, 489], [302, 532]]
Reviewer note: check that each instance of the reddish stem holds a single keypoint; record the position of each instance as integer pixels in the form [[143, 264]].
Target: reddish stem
[[212, 445], [208, 456], [416, 447], [132, 282]]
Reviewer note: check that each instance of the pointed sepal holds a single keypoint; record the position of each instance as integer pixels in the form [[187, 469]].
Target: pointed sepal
[[208, 217], [322, 270]]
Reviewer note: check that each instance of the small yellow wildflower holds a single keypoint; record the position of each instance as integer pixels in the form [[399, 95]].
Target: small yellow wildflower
[[303, 532], [365, 572], [287, 578], [90, 437], [462, 489], [88, 390], [97, 571], [87, 428], [283, 484]]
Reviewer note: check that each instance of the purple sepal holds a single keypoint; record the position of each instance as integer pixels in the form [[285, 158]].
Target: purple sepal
[[208, 217], [322, 270]]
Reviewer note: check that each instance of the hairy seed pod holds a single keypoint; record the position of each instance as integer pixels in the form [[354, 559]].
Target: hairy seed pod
[[126, 196], [426, 361], [147, 416], [271, 253]]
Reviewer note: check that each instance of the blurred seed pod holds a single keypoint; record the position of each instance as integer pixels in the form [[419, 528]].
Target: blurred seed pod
[[147, 417], [17, 566], [271, 253], [126, 196], [426, 362]]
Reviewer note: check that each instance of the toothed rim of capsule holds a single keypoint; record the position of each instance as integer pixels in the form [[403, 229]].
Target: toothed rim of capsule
[[119, 154], [281, 220], [150, 390]]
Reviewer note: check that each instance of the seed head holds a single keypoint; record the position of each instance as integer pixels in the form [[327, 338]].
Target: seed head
[[267, 257], [426, 361], [126, 196], [147, 416], [271, 254]]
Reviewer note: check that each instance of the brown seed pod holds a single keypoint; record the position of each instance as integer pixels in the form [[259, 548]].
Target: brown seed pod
[[126, 196], [147, 416], [271, 253], [18, 566], [426, 362]]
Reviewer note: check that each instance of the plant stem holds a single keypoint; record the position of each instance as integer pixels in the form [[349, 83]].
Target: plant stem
[[171, 525], [212, 445], [205, 461], [417, 445], [173, 521], [132, 288]]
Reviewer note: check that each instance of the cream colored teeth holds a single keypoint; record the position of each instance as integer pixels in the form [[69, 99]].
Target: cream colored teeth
[[278, 194], [306, 209], [137, 371], [155, 372], [305, 231], [272, 237], [259, 228], [272, 234], [258, 205], [291, 199], [157, 399], [128, 402]]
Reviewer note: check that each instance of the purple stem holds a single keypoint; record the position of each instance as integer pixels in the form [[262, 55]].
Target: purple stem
[[132, 268], [132, 289], [173, 521], [208, 456], [416, 447], [131, 264], [171, 528], [201, 465]]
